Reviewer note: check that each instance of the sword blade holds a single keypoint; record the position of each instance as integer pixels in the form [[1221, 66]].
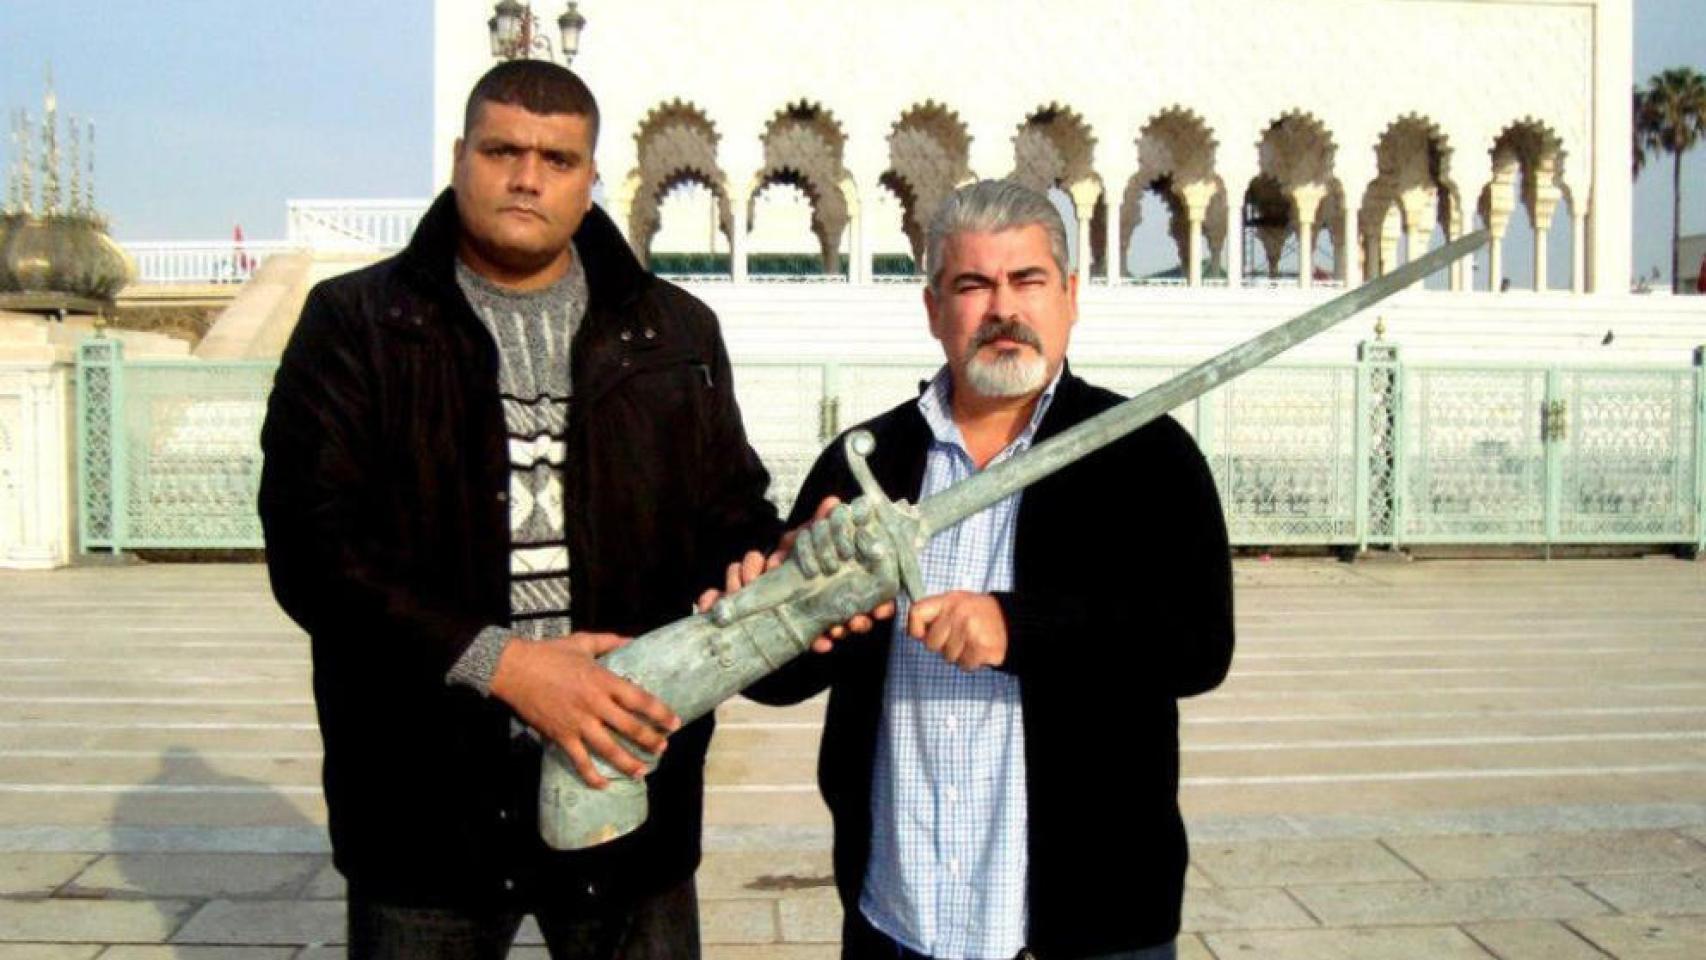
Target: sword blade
[[997, 483]]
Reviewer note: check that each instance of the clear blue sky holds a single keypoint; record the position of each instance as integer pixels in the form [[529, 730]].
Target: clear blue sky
[[213, 113]]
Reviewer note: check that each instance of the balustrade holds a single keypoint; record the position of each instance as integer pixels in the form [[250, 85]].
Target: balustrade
[[379, 225], [201, 261], [1351, 454]]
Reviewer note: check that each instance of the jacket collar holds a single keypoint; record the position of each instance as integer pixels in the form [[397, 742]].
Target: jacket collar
[[1070, 396], [613, 274]]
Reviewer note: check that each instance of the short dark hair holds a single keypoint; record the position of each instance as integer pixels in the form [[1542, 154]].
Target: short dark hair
[[537, 86]]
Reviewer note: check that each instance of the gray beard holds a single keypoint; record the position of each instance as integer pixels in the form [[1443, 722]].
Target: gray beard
[[1015, 374]]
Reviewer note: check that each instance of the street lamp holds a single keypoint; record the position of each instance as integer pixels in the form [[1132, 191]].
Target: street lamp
[[516, 35]]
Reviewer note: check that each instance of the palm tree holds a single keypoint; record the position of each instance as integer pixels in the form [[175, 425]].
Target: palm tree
[[1670, 117]]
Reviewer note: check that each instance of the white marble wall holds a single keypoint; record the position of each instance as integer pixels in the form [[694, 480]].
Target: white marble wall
[[36, 441], [1471, 68]]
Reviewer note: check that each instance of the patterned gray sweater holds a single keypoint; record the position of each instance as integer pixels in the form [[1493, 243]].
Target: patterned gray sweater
[[533, 332]]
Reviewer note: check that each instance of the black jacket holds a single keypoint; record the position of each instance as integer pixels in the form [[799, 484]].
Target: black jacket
[[1121, 603], [384, 501]]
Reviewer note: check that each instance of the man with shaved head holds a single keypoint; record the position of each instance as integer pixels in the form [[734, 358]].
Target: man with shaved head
[[489, 460]]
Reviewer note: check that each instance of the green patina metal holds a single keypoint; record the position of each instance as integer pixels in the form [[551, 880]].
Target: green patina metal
[[1700, 451], [1541, 455], [100, 444], [170, 453], [866, 552], [1371, 453]]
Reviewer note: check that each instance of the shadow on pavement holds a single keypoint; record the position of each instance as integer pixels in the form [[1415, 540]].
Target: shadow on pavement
[[225, 859]]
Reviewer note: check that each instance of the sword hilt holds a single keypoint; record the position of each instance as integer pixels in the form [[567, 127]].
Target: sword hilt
[[900, 522], [895, 529]]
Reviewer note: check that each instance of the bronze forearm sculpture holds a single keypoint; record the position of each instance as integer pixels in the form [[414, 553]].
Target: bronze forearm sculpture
[[698, 662]]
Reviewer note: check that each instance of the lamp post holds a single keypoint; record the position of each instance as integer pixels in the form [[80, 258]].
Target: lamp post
[[516, 35]]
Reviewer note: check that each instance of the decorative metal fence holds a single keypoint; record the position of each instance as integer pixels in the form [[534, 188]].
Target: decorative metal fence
[[1370, 452], [1537, 455], [168, 451], [369, 225], [199, 262]]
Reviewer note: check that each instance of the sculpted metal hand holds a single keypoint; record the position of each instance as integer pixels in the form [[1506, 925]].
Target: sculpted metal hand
[[843, 565], [696, 663]]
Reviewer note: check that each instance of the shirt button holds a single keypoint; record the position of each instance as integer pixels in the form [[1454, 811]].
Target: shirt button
[[509, 884], [503, 814], [951, 794], [626, 336], [952, 723], [503, 497]]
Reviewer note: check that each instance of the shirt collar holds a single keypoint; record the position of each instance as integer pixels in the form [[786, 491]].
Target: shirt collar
[[936, 404]]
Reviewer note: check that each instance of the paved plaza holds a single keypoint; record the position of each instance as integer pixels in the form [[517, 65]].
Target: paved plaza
[[1431, 760]]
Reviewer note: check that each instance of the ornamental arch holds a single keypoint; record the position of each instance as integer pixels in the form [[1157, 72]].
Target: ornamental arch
[[1054, 149], [929, 155], [1176, 163], [1295, 157], [1268, 219], [1412, 204], [1528, 176], [676, 146], [804, 148]]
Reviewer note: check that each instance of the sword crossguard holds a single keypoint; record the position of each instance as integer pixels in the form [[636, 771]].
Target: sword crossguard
[[870, 532], [898, 521]]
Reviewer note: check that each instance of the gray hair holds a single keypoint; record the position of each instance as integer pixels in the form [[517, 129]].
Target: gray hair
[[991, 206]]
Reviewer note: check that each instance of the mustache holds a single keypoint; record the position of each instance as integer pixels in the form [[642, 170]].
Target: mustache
[[1007, 330]]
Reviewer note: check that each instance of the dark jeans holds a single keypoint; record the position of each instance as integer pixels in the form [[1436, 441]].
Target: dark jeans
[[861, 941], [661, 927]]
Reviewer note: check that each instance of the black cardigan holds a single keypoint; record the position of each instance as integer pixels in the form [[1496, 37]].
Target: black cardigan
[[1121, 603]]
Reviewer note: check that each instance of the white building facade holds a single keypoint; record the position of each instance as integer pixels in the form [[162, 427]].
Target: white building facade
[[1356, 130]]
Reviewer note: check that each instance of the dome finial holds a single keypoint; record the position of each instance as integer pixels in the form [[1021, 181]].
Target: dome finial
[[50, 192]]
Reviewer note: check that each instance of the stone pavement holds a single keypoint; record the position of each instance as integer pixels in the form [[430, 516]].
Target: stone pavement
[[1431, 760]]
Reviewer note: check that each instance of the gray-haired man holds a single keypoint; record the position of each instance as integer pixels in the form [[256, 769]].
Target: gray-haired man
[[1002, 765]]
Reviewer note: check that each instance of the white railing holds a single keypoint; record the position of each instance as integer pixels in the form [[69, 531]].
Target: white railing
[[1248, 283], [369, 225], [1288, 283], [784, 278], [201, 261], [759, 279], [697, 277]]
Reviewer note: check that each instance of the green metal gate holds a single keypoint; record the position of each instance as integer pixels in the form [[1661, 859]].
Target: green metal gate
[[1548, 455], [1374, 451], [169, 452]]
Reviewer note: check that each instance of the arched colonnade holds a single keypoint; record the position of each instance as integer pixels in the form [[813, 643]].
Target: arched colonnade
[[1234, 211]]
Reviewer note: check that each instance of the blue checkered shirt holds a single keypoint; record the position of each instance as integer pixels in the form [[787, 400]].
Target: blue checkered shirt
[[948, 862]]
